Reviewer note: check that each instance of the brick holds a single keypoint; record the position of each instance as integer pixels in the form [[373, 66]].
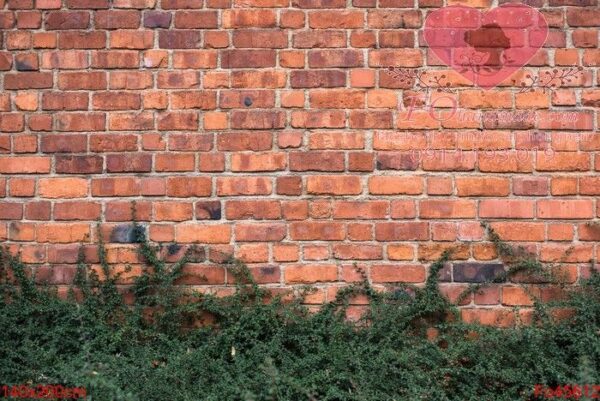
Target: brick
[[395, 58], [27, 80], [69, 143], [62, 187], [289, 140], [131, 121], [318, 119], [239, 186], [173, 211], [12, 122], [248, 19], [360, 210], [317, 161], [196, 19], [263, 232], [582, 17], [184, 187], [404, 231], [513, 231], [68, 101], [82, 81], [87, 4], [38, 210], [254, 141], [357, 252], [211, 162], [258, 79], [562, 161], [208, 210], [285, 253], [122, 186], [317, 231], [258, 162], [179, 121], [399, 141], [482, 186], [123, 39], [372, 119], [209, 234], [289, 185], [565, 209], [128, 163], [312, 273], [447, 209], [401, 273], [157, 19], [272, 39], [193, 100], [506, 208], [337, 98], [532, 186], [81, 40], [469, 272], [117, 19], [130, 80], [77, 210], [63, 20], [335, 58], [395, 185], [317, 79], [322, 39], [113, 142], [329, 185], [256, 210], [259, 120], [11, 211], [513, 296], [336, 19], [115, 101], [24, 165], [489, 317], [248, 58], [115, 59], [190, 142], [139, 4], [179, 39]]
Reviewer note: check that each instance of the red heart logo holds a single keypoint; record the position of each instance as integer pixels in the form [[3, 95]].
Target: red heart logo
[[485, 47]]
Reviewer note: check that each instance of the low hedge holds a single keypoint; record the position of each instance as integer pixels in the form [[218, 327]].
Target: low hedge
[[410, 344]]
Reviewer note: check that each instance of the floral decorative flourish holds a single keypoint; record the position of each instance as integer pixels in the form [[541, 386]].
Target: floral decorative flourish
[[421, 78], [549, 80]]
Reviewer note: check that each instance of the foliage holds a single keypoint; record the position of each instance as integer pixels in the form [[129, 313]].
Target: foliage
[[251, 349]]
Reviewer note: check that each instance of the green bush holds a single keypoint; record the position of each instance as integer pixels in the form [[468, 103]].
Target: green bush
[[276, 350]]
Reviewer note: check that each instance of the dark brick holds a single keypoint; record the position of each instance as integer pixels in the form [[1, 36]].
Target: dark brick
[[208, 210], [67, 20], [397, 161], [189, 39], [157, 19], [79, 164], [127, 233], [477, 272]]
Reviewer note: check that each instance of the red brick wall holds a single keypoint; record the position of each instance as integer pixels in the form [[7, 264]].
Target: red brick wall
[[274, 130]]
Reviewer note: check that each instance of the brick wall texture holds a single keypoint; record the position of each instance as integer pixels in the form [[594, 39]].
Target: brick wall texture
[[292, 134]]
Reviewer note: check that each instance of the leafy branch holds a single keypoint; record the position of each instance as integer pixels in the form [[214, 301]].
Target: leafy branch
[[549, 80], [420, 78]]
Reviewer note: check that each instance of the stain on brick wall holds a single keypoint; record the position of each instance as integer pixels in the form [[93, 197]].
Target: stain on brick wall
[[301, 136]]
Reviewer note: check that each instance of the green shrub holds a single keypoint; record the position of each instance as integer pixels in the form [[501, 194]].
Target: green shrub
[[276, 350]]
